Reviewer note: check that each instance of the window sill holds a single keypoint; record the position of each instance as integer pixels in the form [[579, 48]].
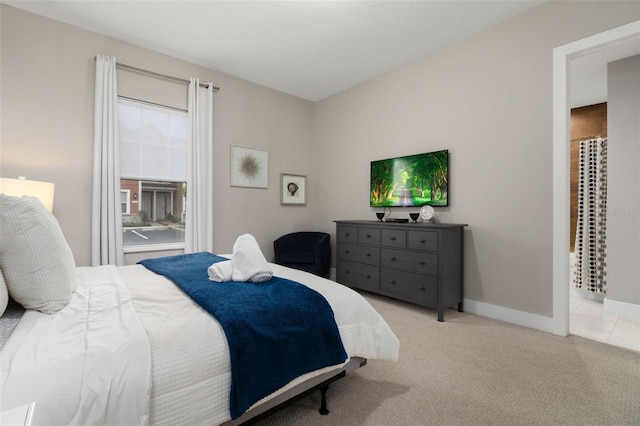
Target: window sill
[[153, 247]]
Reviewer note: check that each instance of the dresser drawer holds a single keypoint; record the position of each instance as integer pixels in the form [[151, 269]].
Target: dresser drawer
[[423, 263], [357, 253], [348, 234], [423, 240], [358, 275], [408, 286], [396, 238], [369, 236]]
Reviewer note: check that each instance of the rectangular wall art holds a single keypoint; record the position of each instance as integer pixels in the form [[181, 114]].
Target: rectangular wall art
[[293, 189], [249, 167]]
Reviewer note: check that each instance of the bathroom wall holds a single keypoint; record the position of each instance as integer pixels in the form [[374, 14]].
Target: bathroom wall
[[623, 200]]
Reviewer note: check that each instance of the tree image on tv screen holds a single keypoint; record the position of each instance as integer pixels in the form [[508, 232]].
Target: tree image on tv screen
[[414, 180]]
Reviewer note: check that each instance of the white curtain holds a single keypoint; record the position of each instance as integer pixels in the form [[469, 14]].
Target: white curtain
[[591, 227], [106, 224], [199, 219]]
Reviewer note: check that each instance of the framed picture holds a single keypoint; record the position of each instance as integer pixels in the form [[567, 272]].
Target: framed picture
[[293, 189], [249, 167]]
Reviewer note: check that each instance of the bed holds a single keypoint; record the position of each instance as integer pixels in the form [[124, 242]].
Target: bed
[[130, 347]]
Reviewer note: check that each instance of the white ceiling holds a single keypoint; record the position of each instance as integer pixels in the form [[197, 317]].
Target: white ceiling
[[310, 49]]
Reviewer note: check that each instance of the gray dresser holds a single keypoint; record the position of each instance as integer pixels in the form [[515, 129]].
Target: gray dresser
[[414, 262]]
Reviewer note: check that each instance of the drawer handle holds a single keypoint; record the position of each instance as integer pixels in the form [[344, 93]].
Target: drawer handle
[[423, 263], [368, 254], [393, 238], [368, 276], [346, 272], [346, 252], [346, 235], [368, 235], [393, 258], [422, 287], [422, 241], [393, 282]]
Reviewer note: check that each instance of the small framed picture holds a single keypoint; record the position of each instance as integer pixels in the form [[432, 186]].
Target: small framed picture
[[293, 189], [249, 167]]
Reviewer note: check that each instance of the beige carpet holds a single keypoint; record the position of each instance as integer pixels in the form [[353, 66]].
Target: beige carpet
[[471, 370]]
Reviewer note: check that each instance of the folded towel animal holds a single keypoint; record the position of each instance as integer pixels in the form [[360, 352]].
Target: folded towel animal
[[221, 271], [249, 263]]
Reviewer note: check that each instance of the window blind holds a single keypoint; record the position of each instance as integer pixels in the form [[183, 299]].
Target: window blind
[[153, 142]]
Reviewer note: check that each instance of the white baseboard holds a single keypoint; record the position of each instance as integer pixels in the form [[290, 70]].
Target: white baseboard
[[584, 294], [622, 309], [525, 319]]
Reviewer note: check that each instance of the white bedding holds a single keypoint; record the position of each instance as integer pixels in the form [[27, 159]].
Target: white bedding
[[87, 364], [186, 354]]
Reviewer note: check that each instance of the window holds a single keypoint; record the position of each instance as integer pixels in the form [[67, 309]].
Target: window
[[124, 201], [153, 175]]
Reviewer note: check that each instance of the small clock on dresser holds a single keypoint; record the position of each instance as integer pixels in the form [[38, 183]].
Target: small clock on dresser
[[427, 213]]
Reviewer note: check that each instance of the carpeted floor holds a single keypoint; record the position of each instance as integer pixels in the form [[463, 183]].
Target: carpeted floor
[[471, 370]]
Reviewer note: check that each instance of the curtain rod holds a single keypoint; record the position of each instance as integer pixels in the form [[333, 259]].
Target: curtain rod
[[157, 74]]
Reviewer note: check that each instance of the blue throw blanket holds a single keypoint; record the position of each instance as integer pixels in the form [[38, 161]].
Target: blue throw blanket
[[277, 330]]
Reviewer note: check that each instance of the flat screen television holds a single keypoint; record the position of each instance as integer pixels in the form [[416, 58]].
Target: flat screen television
[[411, 181]]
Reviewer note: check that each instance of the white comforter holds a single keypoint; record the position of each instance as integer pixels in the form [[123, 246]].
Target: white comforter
[[94, 368], [88, 364]]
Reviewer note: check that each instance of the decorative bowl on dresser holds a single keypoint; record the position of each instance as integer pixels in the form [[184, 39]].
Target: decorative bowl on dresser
[[415, 262]]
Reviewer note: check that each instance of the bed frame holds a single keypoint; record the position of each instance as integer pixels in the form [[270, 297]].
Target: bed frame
[[297, 392]]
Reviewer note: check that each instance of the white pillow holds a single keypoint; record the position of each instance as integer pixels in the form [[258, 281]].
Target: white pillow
[[4, 296], [35, 259]]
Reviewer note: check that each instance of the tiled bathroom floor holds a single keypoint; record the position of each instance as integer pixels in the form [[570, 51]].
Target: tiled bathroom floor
[[588, 319]]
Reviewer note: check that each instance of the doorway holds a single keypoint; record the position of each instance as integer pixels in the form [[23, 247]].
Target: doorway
[[562, 56]]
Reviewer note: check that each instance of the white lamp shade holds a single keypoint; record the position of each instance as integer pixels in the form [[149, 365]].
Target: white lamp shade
[[19, 187]]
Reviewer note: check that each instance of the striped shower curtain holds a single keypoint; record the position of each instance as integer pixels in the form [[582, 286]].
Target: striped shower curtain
[[591, 228]]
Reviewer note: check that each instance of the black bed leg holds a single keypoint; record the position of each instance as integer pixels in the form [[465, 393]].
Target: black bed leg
[[323, 400]]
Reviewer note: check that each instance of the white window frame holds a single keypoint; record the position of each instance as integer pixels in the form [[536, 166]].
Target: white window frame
[[144, 248]]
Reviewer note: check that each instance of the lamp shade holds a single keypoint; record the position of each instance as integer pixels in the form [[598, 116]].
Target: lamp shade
[[19, 187]]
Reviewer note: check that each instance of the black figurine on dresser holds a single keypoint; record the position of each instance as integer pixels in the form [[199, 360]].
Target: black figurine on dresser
[[415, 262]]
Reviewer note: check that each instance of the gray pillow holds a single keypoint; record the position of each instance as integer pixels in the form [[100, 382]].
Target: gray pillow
[[35, 259]]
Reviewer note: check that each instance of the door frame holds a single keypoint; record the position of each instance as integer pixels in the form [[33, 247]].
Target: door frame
[[562, 57]]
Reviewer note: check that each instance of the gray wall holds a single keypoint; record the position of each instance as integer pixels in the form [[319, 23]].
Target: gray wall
[[623, 186], [488, 100]]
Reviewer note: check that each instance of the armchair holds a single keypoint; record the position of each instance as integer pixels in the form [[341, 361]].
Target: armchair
[[307, 251]]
